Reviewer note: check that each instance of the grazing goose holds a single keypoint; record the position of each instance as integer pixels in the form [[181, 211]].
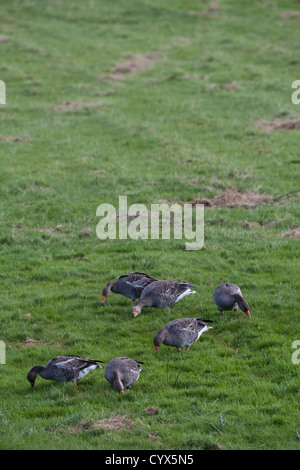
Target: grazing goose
[[129, 285], [64, 369], [162, 294], [122, 372], [228, 296], [181, 333]]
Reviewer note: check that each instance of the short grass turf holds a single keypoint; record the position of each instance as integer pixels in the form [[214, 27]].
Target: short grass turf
[[172, 130]]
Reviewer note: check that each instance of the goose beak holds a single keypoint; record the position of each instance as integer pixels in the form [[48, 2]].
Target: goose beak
[[135, 313], [248, 314], [122, 391], [156, 348], [32, 384], [103, 299]]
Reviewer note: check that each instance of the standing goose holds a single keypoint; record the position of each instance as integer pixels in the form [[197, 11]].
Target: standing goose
[[64, 369], [122, 372], [181, 333], [228, 296], [129, 285], [162, 294]]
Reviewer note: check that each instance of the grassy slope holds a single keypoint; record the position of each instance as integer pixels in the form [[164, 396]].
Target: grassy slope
[[158, 135]]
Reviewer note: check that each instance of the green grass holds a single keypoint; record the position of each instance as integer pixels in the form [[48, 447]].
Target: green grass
[[158, 134]]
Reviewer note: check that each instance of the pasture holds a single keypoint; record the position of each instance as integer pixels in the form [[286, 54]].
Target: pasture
[[157, 101]]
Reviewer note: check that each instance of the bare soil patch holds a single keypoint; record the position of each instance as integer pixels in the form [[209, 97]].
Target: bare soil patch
[[290, 14], [31, 342], [11, 139], [247, 224], [85, 233], [153, 436], [114, 423], [234, 198], [295, 233], [152, 410], [291, 124], [57, 230], [138, 64]]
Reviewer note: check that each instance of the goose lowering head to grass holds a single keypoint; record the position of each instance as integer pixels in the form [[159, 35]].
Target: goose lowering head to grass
[[122, 373], [64, 369], [129, 285], [162, 294], [228, 296], [181, 333]]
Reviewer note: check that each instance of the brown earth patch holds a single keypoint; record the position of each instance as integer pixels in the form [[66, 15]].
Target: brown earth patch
[[290, 14], [70, 105], [291, 124], [2, 39], [57, 229], [83, 258], [114, 423], [218, 446], [85, 233], [214, 7], [295, 233], [153, 436], [31, 342], [247, 224], [11, 139], [138, 64], [152, 410], [234, 198]]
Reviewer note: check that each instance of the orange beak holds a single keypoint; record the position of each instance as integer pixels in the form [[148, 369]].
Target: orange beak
[[103, 299], [135, 314], [248, 314], [122, 391], [156, 348]]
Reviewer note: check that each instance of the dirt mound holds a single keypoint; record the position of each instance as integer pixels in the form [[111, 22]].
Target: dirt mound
[[233, 198], [152, 410], [85, 233], [291, 124], [138, 64], [295, 233], [31, 342], [114, 423]]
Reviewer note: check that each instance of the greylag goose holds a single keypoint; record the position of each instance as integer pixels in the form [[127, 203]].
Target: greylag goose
[[122, 372], [162, 294], [228, 296], [64, 369], [129, 285], [181, 333]]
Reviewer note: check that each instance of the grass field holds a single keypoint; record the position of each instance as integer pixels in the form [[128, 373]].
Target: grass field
[[181, 123]]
